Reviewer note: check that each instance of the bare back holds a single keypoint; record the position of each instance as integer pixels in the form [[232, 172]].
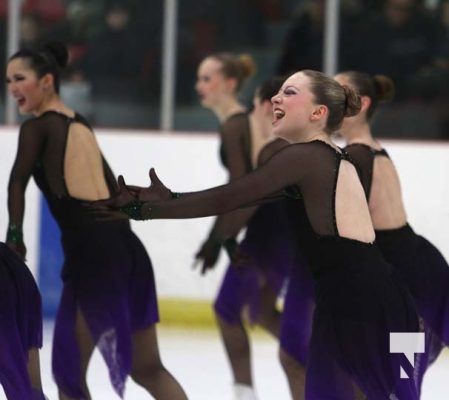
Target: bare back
[[83, 165], [352, 212], [385, 201], [381, 184], [62, 155]]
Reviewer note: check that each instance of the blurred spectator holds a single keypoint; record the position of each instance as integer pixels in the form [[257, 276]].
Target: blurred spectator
[[113, 57], [149, 17], [197, 36], [240, 23], [272, 10], [75, 29], [303, 45], [31, 30], [442, 54], [432, 82], [440, 72], [50, 11], [400, 43]]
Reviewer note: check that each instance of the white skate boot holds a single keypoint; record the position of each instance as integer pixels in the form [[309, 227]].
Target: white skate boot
[[244, 392]]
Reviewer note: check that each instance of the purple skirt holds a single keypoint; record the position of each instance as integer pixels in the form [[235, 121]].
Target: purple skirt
[[297, 313], [426, 274], [268, 244], [424, 270], [108, 275], [20, 324], [359, 301]]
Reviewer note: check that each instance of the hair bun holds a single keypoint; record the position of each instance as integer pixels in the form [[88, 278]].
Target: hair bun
[[59, 52], [248, 65], [353, 103], [384, 87]]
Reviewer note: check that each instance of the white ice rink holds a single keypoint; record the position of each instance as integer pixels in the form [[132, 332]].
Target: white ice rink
[[196, 358]]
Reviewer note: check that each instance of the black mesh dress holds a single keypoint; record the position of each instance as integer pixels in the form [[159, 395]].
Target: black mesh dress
[[107, 272], [420, 264], [359, 300]]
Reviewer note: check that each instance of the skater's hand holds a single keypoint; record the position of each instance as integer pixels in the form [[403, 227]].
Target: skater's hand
[[207, 255], [157, 191], [120, 199], [114, 207]]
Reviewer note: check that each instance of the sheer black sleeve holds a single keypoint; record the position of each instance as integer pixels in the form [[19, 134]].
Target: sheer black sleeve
[[234, 134], [238, 219], [30, 147], [362, 156], [270, 149], [284, 169]]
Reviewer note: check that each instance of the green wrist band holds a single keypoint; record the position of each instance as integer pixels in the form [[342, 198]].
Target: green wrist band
[[175, 195], [137, 210], [14, 234], [133, 210]]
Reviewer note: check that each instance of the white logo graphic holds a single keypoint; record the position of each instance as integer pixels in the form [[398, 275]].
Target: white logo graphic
[[408, 343]]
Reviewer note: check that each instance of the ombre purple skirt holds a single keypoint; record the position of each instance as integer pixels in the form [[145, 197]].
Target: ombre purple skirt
[[108, 276], [297, 312], [360, 300], [426, 274], [20, 325], [267, 243]]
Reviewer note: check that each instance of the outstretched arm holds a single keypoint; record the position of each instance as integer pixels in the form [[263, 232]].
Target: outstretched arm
[[282, 170], [230, 227]]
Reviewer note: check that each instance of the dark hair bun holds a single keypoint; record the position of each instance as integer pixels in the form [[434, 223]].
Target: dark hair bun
[[59, 52], [384, 87], [353, 102]]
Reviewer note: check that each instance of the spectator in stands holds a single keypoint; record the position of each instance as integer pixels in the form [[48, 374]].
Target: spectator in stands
[[303, 46], [76, 29], [400, 42], [31, 30], [113, 58], [440, 70], [50, 11]]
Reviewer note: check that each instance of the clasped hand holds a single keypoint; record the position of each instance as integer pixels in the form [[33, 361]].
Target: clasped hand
[[126, 194]]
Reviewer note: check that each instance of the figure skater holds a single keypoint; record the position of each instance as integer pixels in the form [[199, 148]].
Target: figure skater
[[359, 298], [109, 297], [422, 266]]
